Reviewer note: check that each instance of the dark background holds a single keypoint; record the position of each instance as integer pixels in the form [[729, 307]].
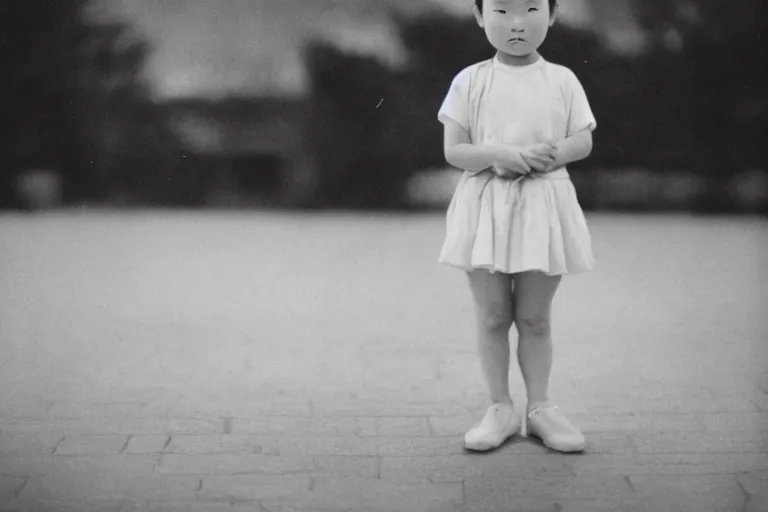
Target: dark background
[[682, 123]]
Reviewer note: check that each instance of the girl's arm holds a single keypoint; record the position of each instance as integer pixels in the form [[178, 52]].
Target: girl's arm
[[461, 153], [572, 149]]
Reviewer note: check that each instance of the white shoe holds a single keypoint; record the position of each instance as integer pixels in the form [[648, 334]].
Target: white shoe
[[499, 424], [548, 424]]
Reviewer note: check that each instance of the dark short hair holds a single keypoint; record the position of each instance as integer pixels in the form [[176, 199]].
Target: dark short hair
[[552, 4]]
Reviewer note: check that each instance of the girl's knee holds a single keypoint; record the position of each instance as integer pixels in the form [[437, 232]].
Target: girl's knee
[[533, 325], [496, 320]]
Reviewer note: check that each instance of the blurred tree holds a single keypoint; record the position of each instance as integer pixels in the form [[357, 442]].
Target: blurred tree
[[69, 88], [350, 98], [688, 23], [708, 57], [438, 46]]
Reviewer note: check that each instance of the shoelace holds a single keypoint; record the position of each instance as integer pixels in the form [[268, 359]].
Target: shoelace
[[536, 410]]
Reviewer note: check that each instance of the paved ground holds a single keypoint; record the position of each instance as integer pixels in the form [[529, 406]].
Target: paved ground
[[257, 362]]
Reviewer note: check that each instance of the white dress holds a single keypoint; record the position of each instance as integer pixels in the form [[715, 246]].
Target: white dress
[[530, 224]]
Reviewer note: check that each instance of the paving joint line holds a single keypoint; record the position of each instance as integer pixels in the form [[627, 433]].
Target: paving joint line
[[58, 443], [311, 405], [60, 440], [747, 495], [127, 442], [430, 429], [234, 501], [158, 463], [18, 491]]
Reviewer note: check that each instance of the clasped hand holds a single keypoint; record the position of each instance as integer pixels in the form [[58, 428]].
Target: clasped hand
[[521, 161]]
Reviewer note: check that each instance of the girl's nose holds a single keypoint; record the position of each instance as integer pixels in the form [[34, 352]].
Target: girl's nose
[[516, 25]]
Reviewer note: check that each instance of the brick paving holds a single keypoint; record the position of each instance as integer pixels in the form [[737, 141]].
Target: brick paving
[[181, 362]]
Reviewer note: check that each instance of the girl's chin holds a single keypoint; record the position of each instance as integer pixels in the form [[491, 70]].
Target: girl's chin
[[518, 51]]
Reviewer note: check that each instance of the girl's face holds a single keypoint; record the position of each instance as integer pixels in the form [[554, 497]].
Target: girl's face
[[515, 27]]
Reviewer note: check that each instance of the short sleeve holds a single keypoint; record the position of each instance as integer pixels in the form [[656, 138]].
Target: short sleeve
[[456, 103], [580, 116]]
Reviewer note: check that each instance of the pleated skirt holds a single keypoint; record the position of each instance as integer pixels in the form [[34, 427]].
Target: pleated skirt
[[513, 226]]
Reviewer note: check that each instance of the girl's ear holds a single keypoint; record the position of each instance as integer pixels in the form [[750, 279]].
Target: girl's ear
[[553, 14], [478, 16]]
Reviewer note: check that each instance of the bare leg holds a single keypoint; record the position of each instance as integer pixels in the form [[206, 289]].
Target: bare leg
[[494, 308], [534, 293]]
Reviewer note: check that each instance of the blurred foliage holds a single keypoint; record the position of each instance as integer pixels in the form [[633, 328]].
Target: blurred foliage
[[350, 109], [708, 63], [74, 102], [694, 105], [700, 22]]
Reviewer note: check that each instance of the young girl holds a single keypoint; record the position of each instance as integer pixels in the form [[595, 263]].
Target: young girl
[[514, 224]]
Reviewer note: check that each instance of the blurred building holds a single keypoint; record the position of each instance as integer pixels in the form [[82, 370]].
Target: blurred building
[[252, 149], [614, 21]]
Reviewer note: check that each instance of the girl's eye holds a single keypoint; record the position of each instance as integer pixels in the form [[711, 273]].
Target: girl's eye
[[533, 9], [501, 11]]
